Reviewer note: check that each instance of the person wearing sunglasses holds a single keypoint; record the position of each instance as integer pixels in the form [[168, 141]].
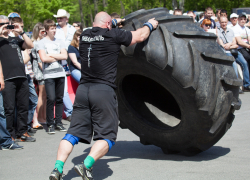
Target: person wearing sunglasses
[[206, 24], [65, 33], [77, 25], [37, 35]]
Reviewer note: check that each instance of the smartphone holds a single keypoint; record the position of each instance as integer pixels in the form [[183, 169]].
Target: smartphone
[[10, 27]]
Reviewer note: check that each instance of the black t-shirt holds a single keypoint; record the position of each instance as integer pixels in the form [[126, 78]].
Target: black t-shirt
[[11, 58], [72, 49], [99, 50]]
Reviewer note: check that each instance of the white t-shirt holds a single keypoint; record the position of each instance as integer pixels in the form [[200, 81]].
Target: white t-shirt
[[243, 32], [55, 69]]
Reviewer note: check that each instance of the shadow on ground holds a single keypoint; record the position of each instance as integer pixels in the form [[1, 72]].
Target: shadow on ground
[[135, 150]]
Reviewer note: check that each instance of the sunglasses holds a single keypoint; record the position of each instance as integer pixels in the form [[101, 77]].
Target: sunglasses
[[42, 32], [60, 18], [76, 26], [208, 25]]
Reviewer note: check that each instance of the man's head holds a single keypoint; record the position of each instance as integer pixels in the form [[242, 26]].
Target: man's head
[[209, 12], [223, 22], [242, 19], [234, 18], [103, 20], [114, 15], [4, 21], [218, 13], [177, 12], [50, 27], [16, 20], [201, 15], [223, 13], [62, 17], [191, 14]]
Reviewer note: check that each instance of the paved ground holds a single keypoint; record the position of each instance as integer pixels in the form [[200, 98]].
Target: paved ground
[[228, 159]]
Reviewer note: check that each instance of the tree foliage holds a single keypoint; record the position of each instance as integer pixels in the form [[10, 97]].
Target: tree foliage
[[33, 11]]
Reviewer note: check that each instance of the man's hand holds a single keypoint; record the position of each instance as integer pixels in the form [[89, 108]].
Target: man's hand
[[2, 27], [18, 28], [153, 22], [119, 22], [2, 85], [227, 46]]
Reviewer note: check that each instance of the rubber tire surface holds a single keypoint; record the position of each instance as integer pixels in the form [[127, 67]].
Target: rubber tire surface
[[181, 72]]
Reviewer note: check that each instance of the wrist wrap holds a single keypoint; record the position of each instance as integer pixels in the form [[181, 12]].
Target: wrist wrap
[[150, 26]]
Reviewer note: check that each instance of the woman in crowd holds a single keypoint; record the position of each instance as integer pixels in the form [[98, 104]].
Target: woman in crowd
[[206, 24], [73, 50], [38, 34], [77, 25]]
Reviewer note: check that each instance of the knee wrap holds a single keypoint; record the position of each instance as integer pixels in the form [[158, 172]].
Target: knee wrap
[[110, 143], [72, 139]]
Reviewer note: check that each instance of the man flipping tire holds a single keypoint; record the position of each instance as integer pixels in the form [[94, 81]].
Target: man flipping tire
[[95, 111]]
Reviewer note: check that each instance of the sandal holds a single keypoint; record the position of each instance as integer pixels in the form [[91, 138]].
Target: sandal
[[38, 127]]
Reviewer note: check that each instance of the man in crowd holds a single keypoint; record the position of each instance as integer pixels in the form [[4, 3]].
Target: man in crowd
[[52, 51], [242, 38], [223, 13], [177, 12], [208, 14], [16, 90], [192, 15], [6, 142], [233, 20], [228, 42], [217, 14], [65, 33], [33, 99], [95, 107]]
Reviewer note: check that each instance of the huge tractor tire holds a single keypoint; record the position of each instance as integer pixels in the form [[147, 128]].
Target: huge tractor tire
[[177, 90]]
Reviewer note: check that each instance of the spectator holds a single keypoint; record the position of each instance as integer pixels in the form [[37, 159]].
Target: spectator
[[206, 24], [223, 13], [16, 84], [6, 142], [233, 20], [65, 33], [248, 23], [201, 16], [77, 25], [227, 41], [208, 15], [114, 15], [51, 52], [217, 15], [32, 92], [242, 38], [73, 50], [177, 12], [38, 34], [192, 15]]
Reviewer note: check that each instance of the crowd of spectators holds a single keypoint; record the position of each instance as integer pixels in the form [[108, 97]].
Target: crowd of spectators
[[43, 61]]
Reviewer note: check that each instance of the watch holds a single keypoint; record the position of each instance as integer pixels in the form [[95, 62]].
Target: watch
[[22, 33]]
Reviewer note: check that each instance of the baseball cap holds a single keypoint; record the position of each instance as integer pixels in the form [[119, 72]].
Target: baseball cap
[[241, 15], [233, 15], [13, 14]]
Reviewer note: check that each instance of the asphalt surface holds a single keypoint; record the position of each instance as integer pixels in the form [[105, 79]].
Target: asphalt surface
[[228, 159]]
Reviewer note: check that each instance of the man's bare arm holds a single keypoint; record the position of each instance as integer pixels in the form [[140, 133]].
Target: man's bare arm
[[142, 34], [242, 43], [62, 56], [45, 58], [2, 85]]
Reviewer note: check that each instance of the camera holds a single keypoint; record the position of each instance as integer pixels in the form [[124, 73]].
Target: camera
[[10, 27]]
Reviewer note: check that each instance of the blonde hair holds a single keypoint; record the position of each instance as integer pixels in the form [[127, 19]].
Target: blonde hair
[[36, 30]]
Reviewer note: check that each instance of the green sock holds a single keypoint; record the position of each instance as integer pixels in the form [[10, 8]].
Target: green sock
[[89, 161], [59, 165]]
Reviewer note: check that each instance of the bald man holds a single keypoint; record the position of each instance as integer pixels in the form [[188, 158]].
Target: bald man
[[96, 108]]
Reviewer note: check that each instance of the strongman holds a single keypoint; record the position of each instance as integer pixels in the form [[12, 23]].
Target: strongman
[[95, 111]]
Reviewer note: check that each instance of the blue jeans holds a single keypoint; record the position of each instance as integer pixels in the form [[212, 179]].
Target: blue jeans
[[234, 64], [68, 106], [5, 138], [76, 74], [244, 65], [33, 99]]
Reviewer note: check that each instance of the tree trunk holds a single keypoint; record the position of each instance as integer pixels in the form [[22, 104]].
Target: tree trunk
[[174, 4], [181, 4], [82, 18], [96, 7], [90, 15], [122, 9], [104, 3]]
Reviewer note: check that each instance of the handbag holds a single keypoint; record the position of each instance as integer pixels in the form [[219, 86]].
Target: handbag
[[233, 51]]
